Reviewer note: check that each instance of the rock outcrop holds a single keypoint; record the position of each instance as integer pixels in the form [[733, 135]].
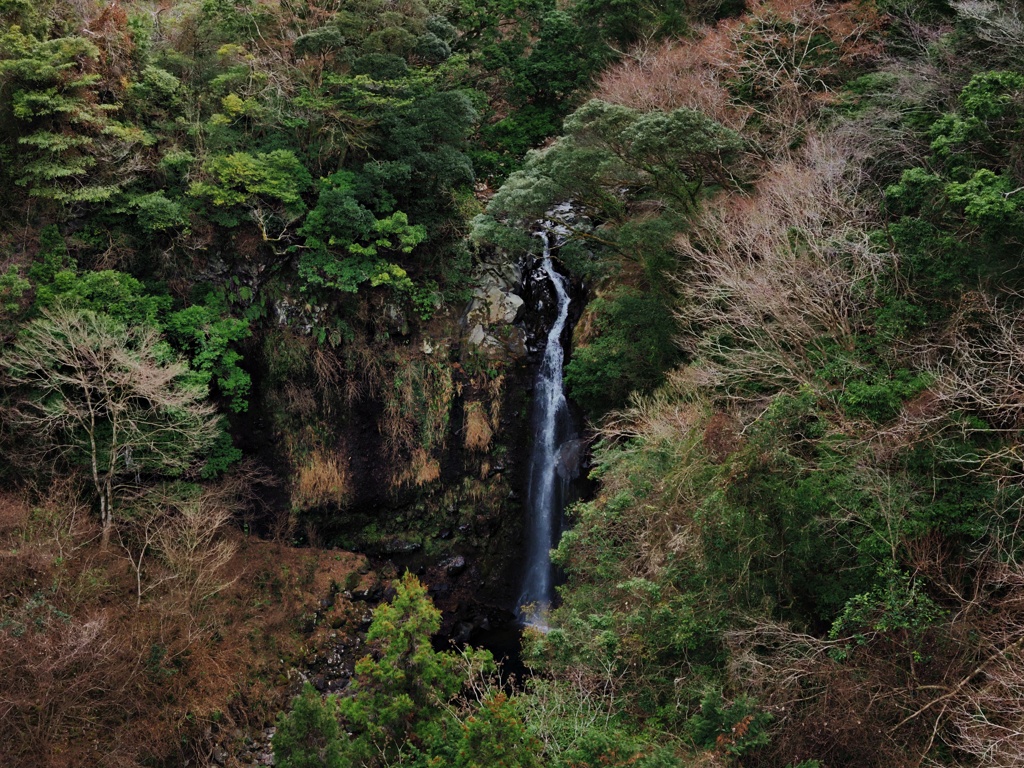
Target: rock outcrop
[[494, 308]]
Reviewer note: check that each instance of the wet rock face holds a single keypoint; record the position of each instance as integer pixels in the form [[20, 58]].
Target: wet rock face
[[540, 307], [569, 457]]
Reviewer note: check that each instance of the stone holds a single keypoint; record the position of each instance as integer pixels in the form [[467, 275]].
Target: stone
[[567, 460], [337, 685], [513, 303], [493, 305], [440, 590], [219, 755], [399, 547], [369, 594], [477, 335], [462, 632], [453, 566], [516, 343], [502, 307], [396, 320]]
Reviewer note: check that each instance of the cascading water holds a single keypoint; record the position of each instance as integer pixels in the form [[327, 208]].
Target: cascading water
[[548, 484]]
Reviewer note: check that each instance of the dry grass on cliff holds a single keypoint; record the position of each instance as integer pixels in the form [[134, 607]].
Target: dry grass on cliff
[[477, 433], [421, 470], [322, 478]]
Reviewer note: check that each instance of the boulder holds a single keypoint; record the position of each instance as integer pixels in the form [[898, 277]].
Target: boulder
[[478, 335], [492, 305], [453, 566]]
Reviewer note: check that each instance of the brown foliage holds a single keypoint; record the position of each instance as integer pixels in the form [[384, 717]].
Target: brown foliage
[[765, 74], [87, 678], [417, 404], [901, 691], [777, 274], [980, 360], [62, 676], [841, 713], [674, 75], [14, 512], [721, 436], [986, 705], [999, 23], [109, 30]]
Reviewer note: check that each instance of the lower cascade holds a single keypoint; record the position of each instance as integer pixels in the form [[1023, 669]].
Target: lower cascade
[[548, 482]]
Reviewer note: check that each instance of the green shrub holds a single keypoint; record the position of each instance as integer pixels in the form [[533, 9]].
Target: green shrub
[[631, 352], [881, 397]]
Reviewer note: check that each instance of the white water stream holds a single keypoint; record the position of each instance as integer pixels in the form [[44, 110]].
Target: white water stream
[[547, 487]]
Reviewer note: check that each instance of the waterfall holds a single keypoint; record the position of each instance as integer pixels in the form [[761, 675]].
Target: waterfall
[[548, 483]]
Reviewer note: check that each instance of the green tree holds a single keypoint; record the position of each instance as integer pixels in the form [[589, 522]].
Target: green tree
[[308, 735], [632, 349], [399, 694], [60, 129], [428, 135], [204, 331], [960, 220], [610, 156], [208, 336], [346, 244], [405, 707], [624, 22], [495, 735], [266, 188]]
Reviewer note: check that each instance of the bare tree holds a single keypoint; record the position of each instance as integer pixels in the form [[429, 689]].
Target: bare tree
[[137, 540], [778, 277], [69, 676], [191, 543], [980, 359], [675, 75], [1000, 23], [110, 396], [986, 705], [977, 362]]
